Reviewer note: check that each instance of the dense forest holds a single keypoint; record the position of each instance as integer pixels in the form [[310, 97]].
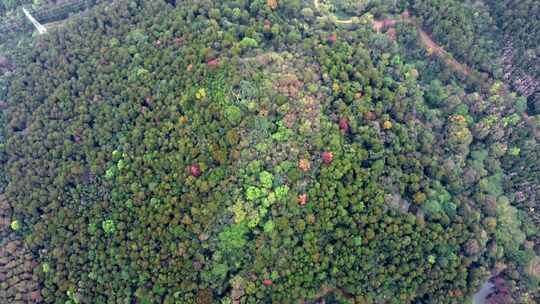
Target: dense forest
[[272, 151], [499, 37]]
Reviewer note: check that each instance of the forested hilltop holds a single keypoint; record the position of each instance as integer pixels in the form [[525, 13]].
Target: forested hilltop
[[270, 152]]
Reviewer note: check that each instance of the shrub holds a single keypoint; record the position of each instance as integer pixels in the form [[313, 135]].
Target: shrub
[[266, 179], [233, 114], [233, 237], [249, 43], [15, 225], [108, 226], [253, 193]]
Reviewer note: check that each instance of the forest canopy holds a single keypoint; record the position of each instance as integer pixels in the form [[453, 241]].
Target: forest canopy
[[270, 152]]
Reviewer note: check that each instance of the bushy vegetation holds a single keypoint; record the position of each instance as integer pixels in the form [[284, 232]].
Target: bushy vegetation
[[246, 152]]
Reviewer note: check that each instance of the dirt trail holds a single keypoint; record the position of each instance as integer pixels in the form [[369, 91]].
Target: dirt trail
[[431, 46]]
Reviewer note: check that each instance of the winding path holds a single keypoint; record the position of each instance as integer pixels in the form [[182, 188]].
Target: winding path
[[431, 46]]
